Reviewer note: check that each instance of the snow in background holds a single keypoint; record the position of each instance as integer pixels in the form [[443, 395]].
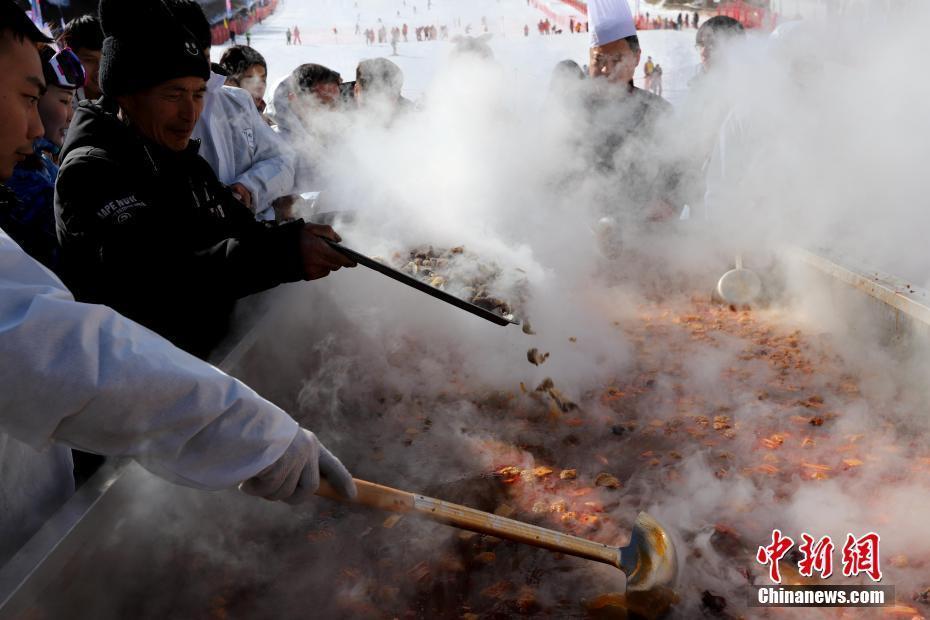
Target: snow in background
[[532, 58]]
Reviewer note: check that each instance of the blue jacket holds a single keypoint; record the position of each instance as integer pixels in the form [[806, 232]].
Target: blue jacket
[[31, 220]]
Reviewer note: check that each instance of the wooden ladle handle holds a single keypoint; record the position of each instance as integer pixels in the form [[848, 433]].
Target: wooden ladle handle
[[395, 500]]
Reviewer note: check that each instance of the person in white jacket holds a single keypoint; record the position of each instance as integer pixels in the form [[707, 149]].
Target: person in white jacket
[[244, 152], [82, 376]]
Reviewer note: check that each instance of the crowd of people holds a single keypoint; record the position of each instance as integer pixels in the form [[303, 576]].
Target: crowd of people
[[109, 308], [648, 21], [398, 33]]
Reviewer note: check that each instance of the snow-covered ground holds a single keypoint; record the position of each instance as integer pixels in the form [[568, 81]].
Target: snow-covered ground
[[532, 58]]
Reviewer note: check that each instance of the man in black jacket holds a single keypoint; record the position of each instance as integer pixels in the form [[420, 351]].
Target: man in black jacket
[[625, 122], [145, 225]]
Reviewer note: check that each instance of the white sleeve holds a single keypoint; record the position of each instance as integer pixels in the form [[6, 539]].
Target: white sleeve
[[272, 173], [87, 377]]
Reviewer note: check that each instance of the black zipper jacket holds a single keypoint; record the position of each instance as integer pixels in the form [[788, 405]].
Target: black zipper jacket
[[153, 233]]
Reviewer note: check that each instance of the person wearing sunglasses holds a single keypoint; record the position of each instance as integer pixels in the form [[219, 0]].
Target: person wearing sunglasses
[[31, 221]]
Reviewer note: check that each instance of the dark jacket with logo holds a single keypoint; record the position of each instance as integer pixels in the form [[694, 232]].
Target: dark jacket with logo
[[154, 234]]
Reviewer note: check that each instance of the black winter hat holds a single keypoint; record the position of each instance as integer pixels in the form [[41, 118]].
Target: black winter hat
[[133, 60], [191, 14]]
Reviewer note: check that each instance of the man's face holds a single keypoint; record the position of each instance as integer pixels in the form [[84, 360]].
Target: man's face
[[91, 61], [615, 61], [327, 94], [714, 47], [255, 81], [368, 96], [56, 111], [21, 87], [166, 114], [307, 106], [706, 51]]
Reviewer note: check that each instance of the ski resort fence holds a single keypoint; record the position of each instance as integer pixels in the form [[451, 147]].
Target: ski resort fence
[[242, 22]]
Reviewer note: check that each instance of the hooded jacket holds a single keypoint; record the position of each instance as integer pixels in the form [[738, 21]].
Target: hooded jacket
[[241, 147], [153, 233]]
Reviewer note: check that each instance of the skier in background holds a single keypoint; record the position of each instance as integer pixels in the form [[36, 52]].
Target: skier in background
[[649, 67], [288, 36], [296, 36]]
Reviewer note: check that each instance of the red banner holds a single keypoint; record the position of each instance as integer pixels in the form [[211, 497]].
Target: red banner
[[749, 15], [242, 23]]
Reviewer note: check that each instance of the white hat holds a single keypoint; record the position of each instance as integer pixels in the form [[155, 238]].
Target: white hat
[[610, 20]]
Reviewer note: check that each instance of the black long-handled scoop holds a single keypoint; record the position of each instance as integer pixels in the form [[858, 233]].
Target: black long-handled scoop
[[423, 287]]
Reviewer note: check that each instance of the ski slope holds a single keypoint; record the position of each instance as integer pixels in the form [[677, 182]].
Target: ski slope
[[532, 58]]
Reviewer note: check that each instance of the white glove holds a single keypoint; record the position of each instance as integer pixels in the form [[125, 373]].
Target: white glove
[[295, 477]]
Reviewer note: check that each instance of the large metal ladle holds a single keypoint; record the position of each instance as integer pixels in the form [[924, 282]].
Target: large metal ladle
[[649, 560], [739, 286]]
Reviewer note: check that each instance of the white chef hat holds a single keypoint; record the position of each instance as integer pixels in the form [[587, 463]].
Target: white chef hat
[[610, 20]]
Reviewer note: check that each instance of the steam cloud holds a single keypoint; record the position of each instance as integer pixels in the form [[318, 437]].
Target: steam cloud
[[825, 133]]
